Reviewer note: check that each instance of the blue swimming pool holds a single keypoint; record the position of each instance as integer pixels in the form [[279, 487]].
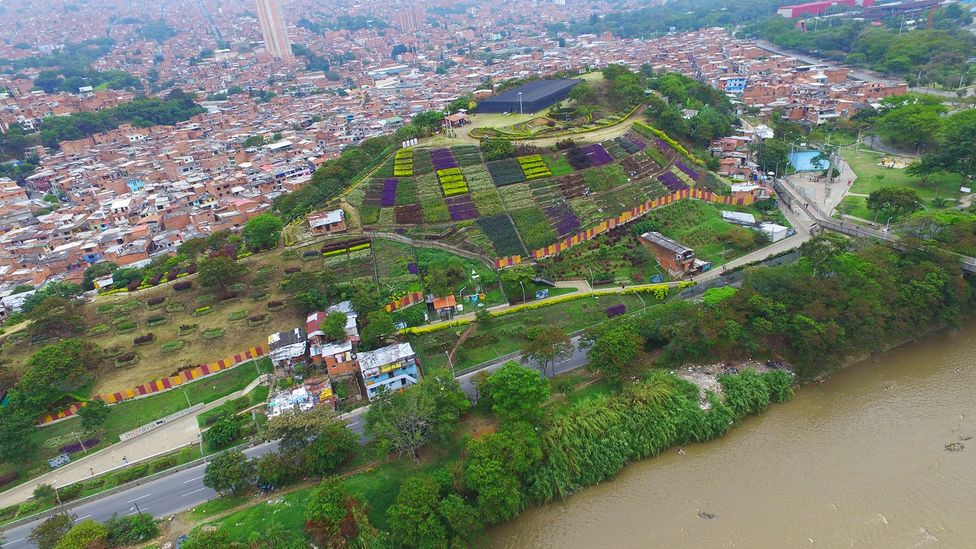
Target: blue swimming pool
[[802, 161]]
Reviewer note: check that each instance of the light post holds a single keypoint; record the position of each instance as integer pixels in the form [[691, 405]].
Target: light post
[[520, 103], [888, 224], [523, 291], [136, 507], [77, 436]]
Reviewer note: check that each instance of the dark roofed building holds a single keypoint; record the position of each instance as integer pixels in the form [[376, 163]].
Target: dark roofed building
[[536, 96], [677, 259]]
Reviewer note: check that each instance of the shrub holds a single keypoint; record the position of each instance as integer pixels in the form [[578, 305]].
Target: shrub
[[237, 315], [127, 359], [158, 320], [125, 327], [175, 307], [28, 507], [182, 286], [105, 308], [292, 270], [70, 492], [99, 329], [237, 288], [187, 329], [276, 305], [155, 301], [202, 311], [110, 352], [144, 339], [260, 296], [258, 320]]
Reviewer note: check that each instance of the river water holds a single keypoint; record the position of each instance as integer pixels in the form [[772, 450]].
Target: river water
[[856, 461]]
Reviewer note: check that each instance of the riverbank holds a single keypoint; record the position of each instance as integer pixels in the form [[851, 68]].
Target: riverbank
[[858, 459]]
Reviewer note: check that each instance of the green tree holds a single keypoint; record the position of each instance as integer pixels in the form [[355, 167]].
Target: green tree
[[495, 467], [47, 534], [894, 201], [16, 428], [548, 346], [97, 270], [423, 516], [405, 421], [334, 326], [253, 141], [131, 529], [83, 535], [955, 153], [497, 149], [910, 119], [56, 317], [333, 517], [54, 369], [516, 393], [93, 415], [207, 537], [220, 272], [614, 350], [428, 122], [263, 231], [444, 278], [229, 473], [224, 432], [379, 324]]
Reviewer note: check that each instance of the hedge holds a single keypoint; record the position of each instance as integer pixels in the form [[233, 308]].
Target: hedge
[[643, 128]]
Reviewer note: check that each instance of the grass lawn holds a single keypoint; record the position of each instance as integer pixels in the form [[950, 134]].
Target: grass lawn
[[866, 165], [558, 165], [129, 415], [507, 334], [855, 206]]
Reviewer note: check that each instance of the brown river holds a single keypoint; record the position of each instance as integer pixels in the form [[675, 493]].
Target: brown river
[[856, 461]]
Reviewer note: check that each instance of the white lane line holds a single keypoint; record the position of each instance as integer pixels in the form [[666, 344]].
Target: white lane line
[[138, 498], [143, 509], [84, 517], [16, 540], [192, 479], [193, 492]]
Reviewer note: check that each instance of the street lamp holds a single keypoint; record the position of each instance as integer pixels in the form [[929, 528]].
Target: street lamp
[[520, 103], [523, 290], [888, 224]]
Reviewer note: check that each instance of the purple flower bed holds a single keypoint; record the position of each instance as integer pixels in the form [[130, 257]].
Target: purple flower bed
[[563, 220], [637, 143], [442, 159], [616, 310], [388, 197], [690, 172], [76, 447], [461, 208], [597, 154], [412, 269], [662, 146], [671, 181]]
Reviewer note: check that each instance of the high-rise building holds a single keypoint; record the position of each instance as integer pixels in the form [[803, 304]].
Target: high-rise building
[[410, 20], [275, 32]]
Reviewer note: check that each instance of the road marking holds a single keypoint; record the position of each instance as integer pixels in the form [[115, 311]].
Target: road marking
[[193, 492], [192, 479], [84, 517], [138, 498], [142, 510], [16, 540]]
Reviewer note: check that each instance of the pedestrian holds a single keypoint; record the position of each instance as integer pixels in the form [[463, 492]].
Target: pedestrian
[[92, 471], [125, 461]]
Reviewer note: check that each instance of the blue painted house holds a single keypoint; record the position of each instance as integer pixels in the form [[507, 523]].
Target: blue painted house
[[389, 368]]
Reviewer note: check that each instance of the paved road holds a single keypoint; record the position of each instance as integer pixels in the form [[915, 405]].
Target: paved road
[[161, 497]]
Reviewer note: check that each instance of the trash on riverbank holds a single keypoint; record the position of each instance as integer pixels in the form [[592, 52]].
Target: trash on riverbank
[[705, 376]]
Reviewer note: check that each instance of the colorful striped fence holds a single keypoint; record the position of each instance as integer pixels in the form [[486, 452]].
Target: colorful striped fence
[[405, 301], [626, 217], [162, 385]]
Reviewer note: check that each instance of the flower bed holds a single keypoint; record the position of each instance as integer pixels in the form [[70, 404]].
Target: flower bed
[[671, 182], [171, 346], [182, 286], [534, 167], [276, 305], [289, 255], [260, 296], [258, 320], [126, 360], [488, 202], [578, 159], [686, 170], [406, 192], [111, 352], [125, 327], [461, 208], [388, 196], [442, 159], [403, 163], [202, 311], [154, 321], [105, 308], [452, 182], [563, 220], [616, 310], [186, 329], [534, 228], [597, 154], [213, 333], [144, 339], [237, 315], [175, 307], [505, 172], [500, 230], [78, 446], [99, 329], [155, 302], [410, 214], [466, 155]]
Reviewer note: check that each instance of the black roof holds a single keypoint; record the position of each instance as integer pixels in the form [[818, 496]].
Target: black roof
[[533, 91]]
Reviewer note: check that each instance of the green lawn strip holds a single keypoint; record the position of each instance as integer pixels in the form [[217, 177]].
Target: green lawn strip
[[866, 165], [506, 334], [135, 413], [856, 206]]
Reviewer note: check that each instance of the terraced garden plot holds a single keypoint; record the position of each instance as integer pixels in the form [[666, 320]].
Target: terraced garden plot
[[671, 181], [517, 196], [385, 216], [422, 164], [630, 142], [467, 155], [597, 154], [443, 159], [386, 169], [639, 166], [571, 186], [533, 167], [478, 178], [587, 210], [687, 170], [403, 163], [388, 193], [545, 192], [452, 182], [534, 227], [348, 267], [578, 158], [374, 193], [431, 201], [488, 202], [461, 207], [505, 172], [621, 199], [503, 236], [616, 151], [406, 192], [393, 260], [615, 256], [652, 188], [409, 214], [558, 164], [563, 220], [604, 178]]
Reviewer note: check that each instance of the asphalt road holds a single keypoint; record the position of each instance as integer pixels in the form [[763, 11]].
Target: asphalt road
[[160, 498]]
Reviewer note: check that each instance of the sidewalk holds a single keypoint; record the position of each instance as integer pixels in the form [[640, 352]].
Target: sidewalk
[[181, 432]]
